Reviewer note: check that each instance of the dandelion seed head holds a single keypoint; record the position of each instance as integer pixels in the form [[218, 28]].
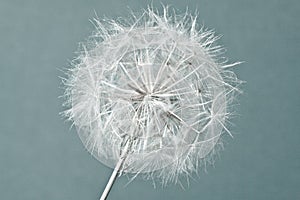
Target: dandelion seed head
[[157, 81]]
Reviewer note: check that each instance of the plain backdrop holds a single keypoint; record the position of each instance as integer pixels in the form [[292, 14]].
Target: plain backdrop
[[42, 158]]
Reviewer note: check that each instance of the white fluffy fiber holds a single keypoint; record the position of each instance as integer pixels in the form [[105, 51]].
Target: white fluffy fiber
[[156, 81]]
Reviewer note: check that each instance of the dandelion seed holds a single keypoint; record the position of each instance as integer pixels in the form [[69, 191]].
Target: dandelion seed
[[150, 96]]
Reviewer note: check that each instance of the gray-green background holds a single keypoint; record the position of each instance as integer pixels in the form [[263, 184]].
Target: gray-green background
[[41, 158]]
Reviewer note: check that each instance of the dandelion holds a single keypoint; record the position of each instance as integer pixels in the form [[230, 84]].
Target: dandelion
[[150, 95]]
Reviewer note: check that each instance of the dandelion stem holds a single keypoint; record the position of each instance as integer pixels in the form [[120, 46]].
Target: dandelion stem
[[116, 171]]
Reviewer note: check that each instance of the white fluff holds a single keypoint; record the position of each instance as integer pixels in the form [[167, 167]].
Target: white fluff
[[156, 81]]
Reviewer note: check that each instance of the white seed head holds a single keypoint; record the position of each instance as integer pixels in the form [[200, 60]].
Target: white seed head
[[156, 81]]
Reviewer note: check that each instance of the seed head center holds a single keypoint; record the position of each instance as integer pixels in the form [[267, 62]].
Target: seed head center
[[147, 97]]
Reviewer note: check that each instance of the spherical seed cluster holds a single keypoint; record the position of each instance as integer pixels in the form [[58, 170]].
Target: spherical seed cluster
[[156, 82]]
